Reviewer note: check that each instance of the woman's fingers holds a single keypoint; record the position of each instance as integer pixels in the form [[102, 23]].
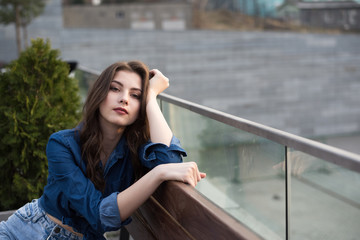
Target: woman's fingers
[[192, 174], [158, 82], [195, 176], [187, 172]]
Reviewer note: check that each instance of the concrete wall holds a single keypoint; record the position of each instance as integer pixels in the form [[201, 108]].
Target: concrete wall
[[165, 16]]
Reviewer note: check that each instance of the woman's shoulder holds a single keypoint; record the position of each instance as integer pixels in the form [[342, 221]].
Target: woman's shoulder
[[67, 134]]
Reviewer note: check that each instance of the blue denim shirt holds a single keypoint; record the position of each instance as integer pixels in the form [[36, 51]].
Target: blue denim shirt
[[72, 198]]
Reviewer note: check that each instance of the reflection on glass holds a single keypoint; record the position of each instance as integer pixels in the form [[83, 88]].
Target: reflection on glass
[[325, 199], [241, 177]]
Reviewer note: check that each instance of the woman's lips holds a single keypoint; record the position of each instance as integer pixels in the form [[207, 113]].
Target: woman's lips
[[121, 110]]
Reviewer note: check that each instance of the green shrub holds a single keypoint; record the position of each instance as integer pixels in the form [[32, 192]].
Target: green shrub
[[37, 98]]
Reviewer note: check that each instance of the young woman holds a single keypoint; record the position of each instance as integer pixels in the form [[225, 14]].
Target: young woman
[[104, 169]]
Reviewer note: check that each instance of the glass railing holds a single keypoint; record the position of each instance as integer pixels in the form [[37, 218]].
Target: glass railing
[[85, 78], [241, 178], [255, 174], [324, 200], [279, 185]]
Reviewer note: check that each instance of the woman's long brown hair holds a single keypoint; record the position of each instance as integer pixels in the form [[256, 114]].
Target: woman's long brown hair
[[91, 135]]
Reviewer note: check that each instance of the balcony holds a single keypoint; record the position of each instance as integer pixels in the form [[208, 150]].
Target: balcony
[[262, 183]]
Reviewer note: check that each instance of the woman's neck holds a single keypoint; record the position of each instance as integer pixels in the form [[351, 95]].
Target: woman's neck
[[111, 137]]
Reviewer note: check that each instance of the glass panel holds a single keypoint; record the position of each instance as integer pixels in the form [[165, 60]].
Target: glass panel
[[85, 81], [325, 199], [244, 174]]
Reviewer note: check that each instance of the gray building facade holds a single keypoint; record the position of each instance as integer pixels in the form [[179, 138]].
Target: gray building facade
[[343, 15], [144, 16]]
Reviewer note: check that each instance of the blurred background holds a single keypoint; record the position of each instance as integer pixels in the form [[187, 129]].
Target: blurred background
[[292, 65]]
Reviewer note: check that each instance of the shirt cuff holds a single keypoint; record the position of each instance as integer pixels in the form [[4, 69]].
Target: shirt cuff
[[110, 215], [152, 154]]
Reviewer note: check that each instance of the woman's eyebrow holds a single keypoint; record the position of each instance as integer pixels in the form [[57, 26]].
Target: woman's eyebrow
[[117, 82]]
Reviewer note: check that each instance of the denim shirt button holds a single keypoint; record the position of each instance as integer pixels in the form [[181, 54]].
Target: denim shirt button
[[57, 230]]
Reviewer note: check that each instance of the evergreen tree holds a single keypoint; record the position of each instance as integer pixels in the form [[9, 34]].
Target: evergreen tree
[[37, 98]]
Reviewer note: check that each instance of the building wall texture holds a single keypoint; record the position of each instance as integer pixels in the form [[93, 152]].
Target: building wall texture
[[165, 16], [339, 15]]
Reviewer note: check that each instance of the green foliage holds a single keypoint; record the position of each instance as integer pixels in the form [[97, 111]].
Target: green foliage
[[37, 98], [28, 10]]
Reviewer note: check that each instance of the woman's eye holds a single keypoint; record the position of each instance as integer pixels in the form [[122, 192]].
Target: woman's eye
[[114, 89], [136, 96]]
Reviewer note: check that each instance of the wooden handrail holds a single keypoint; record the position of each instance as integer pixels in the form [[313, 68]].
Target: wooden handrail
[[178, 211]]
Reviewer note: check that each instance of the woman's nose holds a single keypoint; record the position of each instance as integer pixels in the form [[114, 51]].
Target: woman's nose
[[124, 99]]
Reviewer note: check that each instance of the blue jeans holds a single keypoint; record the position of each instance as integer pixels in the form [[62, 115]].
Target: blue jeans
[[31, 222]]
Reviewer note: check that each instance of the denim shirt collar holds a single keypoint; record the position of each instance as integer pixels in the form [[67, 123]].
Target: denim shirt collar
[[118, 153]]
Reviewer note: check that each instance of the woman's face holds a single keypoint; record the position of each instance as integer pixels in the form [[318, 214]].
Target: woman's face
[[122, 104]]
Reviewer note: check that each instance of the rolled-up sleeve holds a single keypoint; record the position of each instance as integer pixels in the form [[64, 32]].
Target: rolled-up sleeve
[[153, 154], [109, 213]]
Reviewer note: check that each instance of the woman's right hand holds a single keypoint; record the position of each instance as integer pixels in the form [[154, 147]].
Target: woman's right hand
[[158, 83], [186, 172]]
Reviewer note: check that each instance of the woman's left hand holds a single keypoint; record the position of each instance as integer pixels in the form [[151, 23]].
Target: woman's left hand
[[158, 83], [186, 172]]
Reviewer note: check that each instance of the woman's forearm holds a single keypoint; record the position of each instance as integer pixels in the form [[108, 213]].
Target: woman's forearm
[[134, 196], [160, 131]]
